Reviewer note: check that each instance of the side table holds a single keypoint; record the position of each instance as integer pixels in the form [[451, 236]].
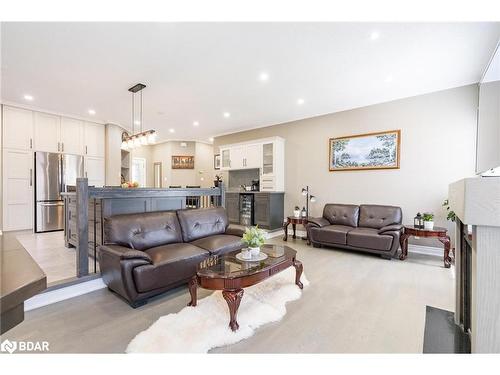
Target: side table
[[436, 232], [294, 221]]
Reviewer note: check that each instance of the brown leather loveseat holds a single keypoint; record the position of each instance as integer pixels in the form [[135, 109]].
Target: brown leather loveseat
[[370, 228], [148, 253]]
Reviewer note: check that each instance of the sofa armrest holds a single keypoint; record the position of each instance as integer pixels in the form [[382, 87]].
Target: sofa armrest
[[235, 230], [122, 252], [318, 222], [390, 228]]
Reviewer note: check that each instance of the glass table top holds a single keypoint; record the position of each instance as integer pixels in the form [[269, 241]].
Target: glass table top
[[228, 266]]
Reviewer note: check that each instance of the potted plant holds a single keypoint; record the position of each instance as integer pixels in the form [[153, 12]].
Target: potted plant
[[254, 238], [296, 211], [428, 221], [218, 178], [450, 214]]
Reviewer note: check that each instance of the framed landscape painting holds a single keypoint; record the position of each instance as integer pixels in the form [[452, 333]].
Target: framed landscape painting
[[182, 162], [365, 151]]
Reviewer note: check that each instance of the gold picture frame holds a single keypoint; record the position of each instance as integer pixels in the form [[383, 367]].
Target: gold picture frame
[[369, 151], [182, 162]]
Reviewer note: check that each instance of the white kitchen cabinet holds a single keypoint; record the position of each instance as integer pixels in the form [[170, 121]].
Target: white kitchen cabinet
[[71, 136], [47, 130], [17, 189], [95, 171], [94, 140], [267, 155], [18, 128]]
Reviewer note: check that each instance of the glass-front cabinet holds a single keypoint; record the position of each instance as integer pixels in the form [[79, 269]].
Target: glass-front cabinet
[[268, 158], [225, 158]]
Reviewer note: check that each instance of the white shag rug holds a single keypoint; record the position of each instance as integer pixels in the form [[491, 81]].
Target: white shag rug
[[205, 326]]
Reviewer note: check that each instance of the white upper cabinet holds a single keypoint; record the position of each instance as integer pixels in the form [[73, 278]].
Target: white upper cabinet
[[94, 140], [71, 139], [95, 171], [17, 128], [47, 129], [267, 155]]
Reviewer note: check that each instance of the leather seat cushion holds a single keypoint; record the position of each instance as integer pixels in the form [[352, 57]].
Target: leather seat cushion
[[341, 214], [368, 238], [219, 243], [171, 263], [335, 234], [202, 222]]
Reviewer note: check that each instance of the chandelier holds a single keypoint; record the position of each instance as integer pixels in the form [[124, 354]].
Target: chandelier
[[142, 138]]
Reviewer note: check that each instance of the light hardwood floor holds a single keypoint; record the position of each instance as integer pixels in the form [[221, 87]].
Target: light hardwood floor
[[355, 303]]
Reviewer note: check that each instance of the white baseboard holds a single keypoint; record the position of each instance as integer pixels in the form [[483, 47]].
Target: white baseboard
[[62, 294]]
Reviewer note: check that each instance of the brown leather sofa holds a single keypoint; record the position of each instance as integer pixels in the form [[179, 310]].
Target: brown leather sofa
[[370, 228], [148, 253]]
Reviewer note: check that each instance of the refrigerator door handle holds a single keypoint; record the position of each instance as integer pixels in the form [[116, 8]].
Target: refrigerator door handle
[[51, 204], [61, 174]]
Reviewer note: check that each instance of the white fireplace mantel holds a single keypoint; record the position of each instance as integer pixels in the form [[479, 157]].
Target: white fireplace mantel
[[476, 202]]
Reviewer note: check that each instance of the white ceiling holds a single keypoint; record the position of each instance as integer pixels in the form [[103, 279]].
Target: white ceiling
[[197, 71]]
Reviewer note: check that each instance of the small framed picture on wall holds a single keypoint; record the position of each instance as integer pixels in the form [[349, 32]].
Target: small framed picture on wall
[[217, 161]]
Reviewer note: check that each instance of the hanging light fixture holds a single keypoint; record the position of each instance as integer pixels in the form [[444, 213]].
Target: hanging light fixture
[[142, 138]]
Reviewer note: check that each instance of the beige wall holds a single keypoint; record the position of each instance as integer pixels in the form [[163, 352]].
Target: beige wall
[[437, 148], [163, 153]]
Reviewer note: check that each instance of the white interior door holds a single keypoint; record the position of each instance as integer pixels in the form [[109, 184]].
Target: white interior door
[[17, 128], [47, 135], [139, 171], [17, 190], [72, 136]]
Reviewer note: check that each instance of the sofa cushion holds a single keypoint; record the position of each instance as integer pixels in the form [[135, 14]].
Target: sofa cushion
[[342, 214], [375, 216], [368, 238], [335, 234], [171, 263], [202, 222], [219, 244], [142, 231]]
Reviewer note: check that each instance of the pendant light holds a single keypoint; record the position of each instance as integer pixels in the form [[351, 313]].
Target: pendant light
[[142, 138]]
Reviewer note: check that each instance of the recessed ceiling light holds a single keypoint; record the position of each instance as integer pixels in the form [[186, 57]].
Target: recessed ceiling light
[[226, 114], [196, 123], [171, 130], [211, 139], [389, 78], [263, 77], [91, 112], [300, 101], [28, 97], [374, 35]]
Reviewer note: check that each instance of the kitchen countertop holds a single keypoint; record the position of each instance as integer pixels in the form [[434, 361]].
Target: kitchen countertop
[[253, 192]]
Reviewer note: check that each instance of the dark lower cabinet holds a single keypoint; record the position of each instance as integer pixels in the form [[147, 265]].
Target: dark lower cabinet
[[233, 207], [269, 210]]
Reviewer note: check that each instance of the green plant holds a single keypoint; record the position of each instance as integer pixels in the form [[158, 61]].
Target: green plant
[[428, 217], [450, 213], [254, 237]]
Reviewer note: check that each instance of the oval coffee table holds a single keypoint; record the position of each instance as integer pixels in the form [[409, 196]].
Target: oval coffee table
[[231, 275]]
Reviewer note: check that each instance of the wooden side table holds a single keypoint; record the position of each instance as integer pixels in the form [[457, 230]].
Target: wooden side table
[[294, 221], [436, 232]]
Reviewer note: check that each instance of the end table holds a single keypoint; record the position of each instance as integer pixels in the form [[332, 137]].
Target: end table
[[437, 232], [294, 221]]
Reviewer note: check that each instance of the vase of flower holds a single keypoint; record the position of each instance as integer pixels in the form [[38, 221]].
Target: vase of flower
[[254, 238]]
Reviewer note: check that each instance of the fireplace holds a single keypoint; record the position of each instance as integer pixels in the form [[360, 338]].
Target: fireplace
[[463, 261]]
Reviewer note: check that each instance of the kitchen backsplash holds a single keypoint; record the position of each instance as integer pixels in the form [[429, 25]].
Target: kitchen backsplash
[[242, 177]]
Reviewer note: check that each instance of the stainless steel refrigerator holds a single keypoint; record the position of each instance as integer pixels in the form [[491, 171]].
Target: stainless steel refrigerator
[[53, 173]]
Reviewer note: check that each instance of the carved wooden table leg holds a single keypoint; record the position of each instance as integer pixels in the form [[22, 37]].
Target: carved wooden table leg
[[298, 272], [404, 246], [446, 242], [193, 286], [294, 226], [285, 228], [233, 299]]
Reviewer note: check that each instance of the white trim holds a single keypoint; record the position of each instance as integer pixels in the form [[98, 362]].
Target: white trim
[[62, 294]]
